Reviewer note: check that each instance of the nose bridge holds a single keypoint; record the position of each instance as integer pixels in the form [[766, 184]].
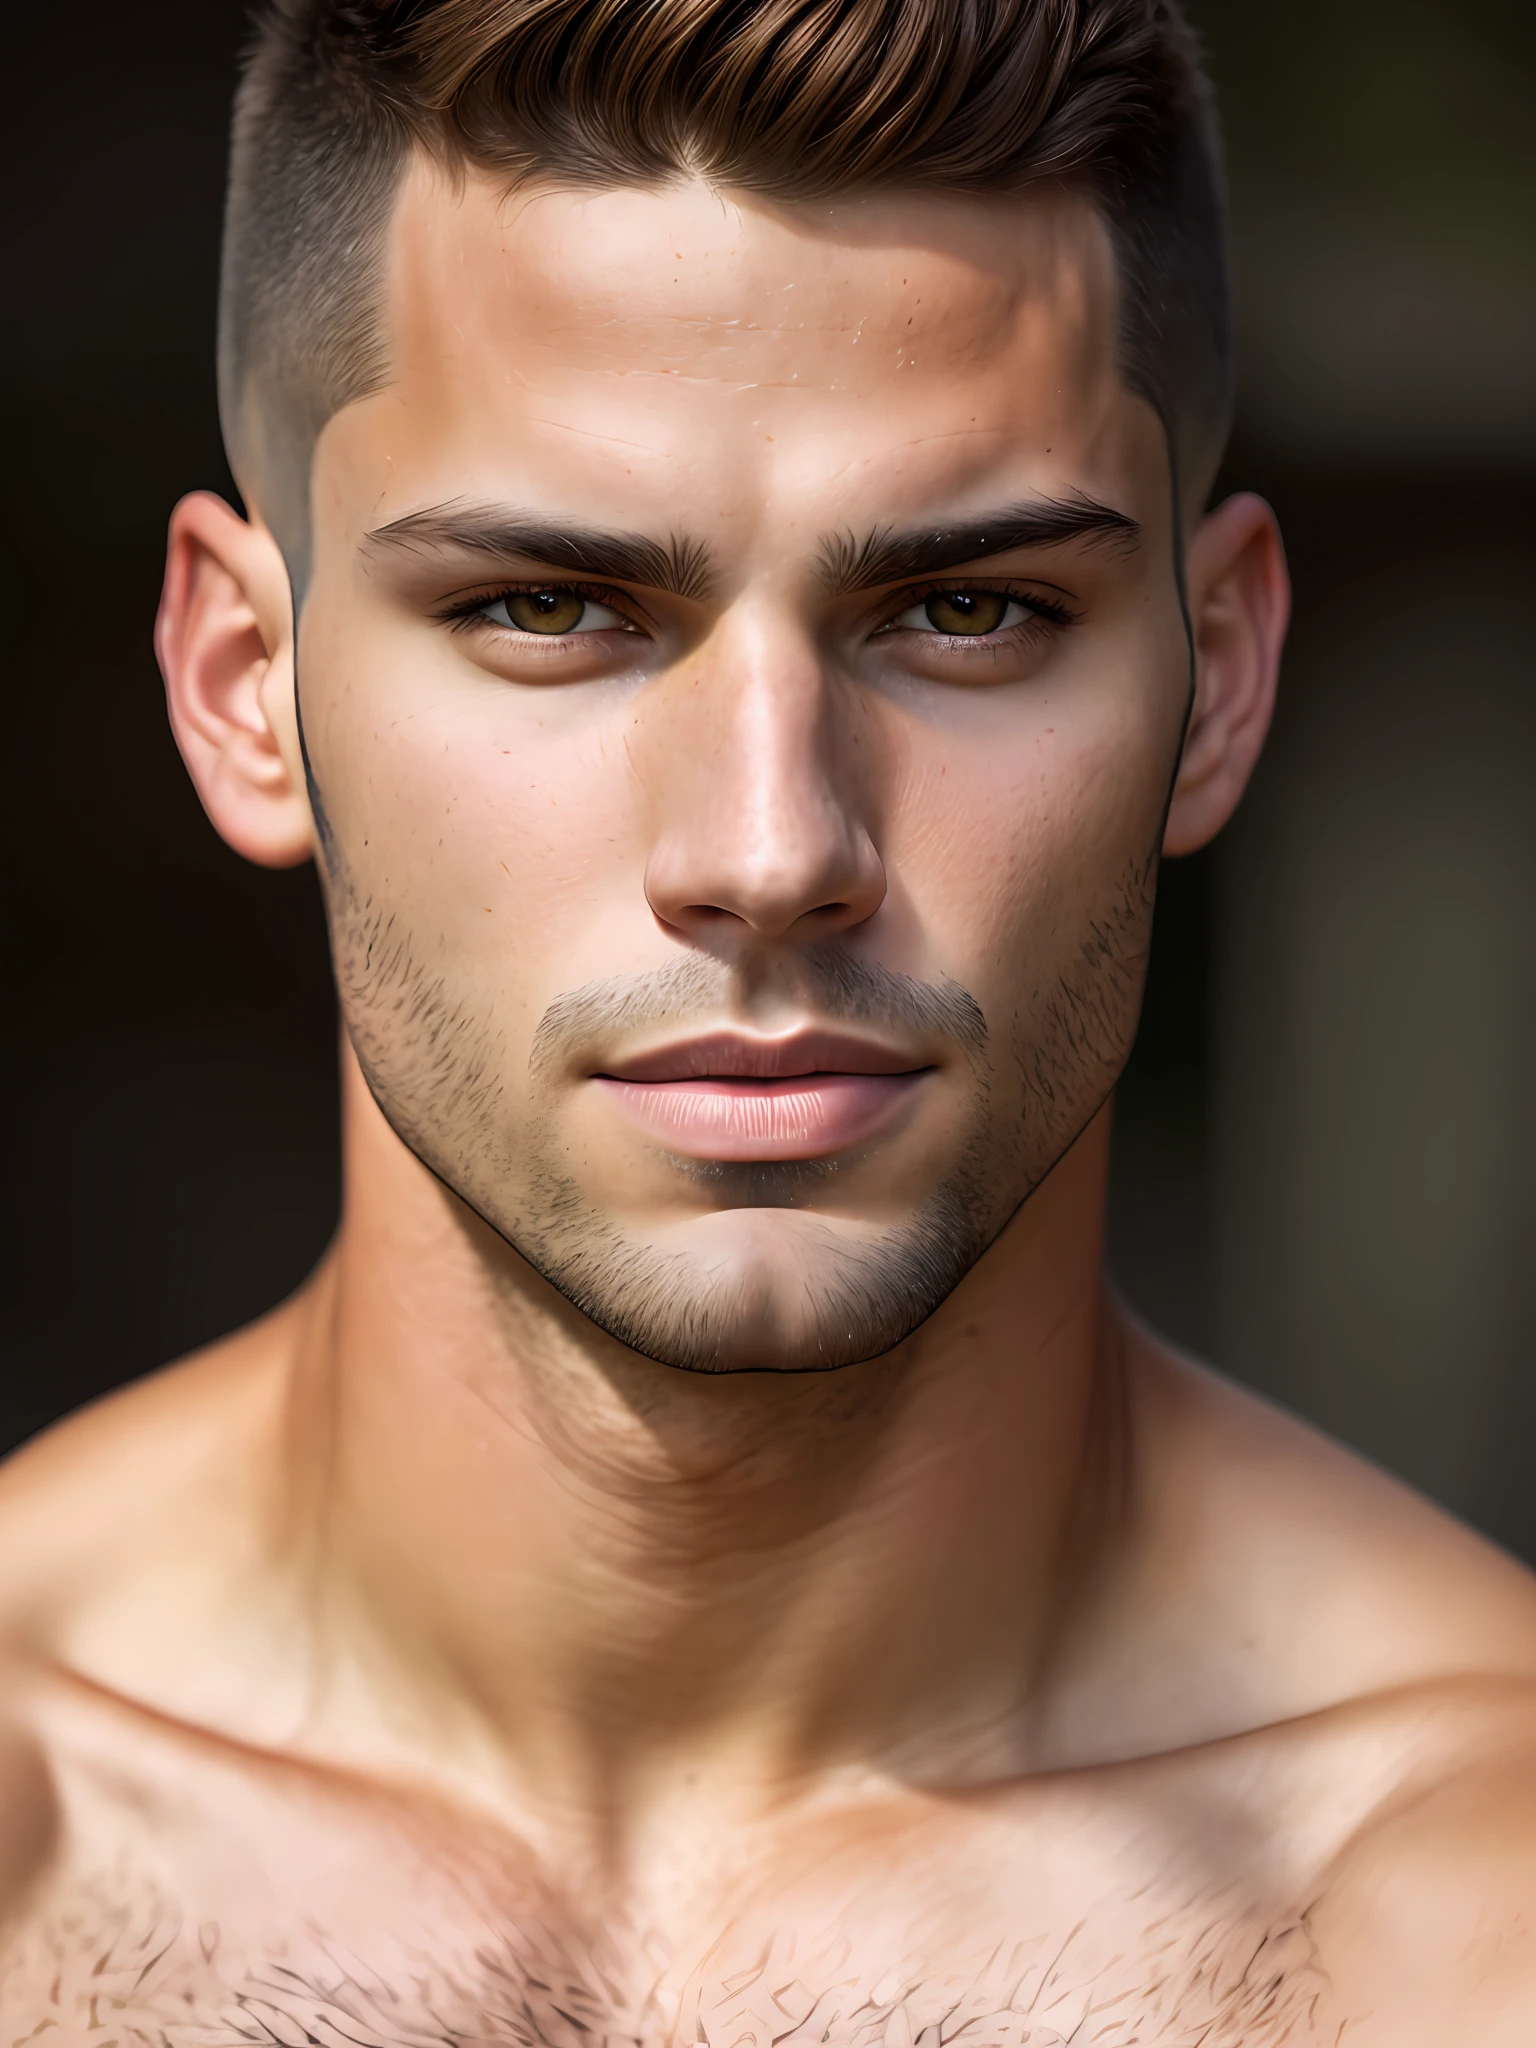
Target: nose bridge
[[761, 806]]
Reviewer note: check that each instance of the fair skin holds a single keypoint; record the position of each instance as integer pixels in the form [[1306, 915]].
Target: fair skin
[[585, 1607]]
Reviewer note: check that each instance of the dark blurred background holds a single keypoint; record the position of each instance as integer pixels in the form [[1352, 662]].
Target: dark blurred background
[[1325, 1148]]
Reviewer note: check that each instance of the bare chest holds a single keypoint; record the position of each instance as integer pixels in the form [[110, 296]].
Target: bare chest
[[106, 1965], [196, 1901]]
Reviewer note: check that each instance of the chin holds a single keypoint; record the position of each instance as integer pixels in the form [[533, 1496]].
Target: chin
[[758, 1290], [772, 1291]]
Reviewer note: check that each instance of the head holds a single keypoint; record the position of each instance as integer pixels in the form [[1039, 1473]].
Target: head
[[728, 598]]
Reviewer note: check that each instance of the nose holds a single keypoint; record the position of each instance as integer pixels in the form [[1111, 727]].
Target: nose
[[760, 770]]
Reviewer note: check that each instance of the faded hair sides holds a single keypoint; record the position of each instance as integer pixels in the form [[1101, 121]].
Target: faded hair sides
[[792, 100]]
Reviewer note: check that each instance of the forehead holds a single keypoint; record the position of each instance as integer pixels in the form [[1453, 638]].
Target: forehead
[[597, 348]]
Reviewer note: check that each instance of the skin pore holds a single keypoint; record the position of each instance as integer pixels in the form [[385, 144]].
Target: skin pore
[[757, 793], [705, 1559], [754, 739], [759, 789]]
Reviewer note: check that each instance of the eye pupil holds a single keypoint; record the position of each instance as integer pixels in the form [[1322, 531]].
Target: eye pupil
[[966, 611], [546, 611]]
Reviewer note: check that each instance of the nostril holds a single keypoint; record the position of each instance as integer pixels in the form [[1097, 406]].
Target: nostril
[[713, 913]]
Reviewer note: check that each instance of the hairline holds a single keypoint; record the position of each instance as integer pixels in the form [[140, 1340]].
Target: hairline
[[295, 442]]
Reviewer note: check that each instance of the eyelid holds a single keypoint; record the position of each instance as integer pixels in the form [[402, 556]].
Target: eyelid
[[463, 610], [1057, 608]]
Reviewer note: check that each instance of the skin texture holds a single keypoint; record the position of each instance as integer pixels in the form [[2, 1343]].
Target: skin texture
[[832, 750], [738, 1595]]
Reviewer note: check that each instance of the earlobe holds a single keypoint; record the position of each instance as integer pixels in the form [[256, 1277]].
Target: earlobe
[[1239, 605], [224, 638]]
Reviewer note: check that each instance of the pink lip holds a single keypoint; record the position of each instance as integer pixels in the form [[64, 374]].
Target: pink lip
[[731, 1097]]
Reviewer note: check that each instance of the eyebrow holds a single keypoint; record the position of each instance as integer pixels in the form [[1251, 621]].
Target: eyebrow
[[679, 565], [887, 555]]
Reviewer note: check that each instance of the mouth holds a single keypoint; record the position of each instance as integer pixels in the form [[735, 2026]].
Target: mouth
[[730, 1096]]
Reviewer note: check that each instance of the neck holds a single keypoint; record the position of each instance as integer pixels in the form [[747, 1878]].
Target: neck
[[626, 1570]]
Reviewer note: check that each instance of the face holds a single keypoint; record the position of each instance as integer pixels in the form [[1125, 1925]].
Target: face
[[742, 677]]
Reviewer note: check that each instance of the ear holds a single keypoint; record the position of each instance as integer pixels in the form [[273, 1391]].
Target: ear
[[1239, 606], [224, 635]]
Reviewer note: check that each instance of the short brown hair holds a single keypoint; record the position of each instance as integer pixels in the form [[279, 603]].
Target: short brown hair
[[789, 99]]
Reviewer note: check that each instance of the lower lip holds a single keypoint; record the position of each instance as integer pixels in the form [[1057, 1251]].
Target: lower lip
[[804, 1117]]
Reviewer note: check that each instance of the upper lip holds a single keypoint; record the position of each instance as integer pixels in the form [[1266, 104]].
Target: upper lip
[[733, 1055]]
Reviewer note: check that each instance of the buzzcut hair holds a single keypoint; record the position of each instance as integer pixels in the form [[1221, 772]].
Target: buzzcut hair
[[790, 100]]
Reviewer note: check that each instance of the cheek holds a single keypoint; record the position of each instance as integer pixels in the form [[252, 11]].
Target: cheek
[[1009, 842], [489, 820]]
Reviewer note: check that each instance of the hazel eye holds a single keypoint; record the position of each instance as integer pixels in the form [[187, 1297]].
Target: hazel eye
[[556, 609], [963, 613]]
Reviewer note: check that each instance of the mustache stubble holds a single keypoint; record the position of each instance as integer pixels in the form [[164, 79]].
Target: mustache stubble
[[834, 983]]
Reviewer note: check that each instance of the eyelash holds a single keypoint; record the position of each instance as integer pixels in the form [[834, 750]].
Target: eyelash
[[1046, 611], [465, 613]]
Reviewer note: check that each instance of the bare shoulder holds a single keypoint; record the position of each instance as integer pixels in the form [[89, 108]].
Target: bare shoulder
[[128, 1499], [1301, 1576], [1426, 1921], [1356, 1682]]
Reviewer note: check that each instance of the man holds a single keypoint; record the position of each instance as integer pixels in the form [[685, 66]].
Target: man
[[728, 599]]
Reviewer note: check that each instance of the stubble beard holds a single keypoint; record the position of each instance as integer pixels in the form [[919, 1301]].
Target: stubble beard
[[435, 1067]]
